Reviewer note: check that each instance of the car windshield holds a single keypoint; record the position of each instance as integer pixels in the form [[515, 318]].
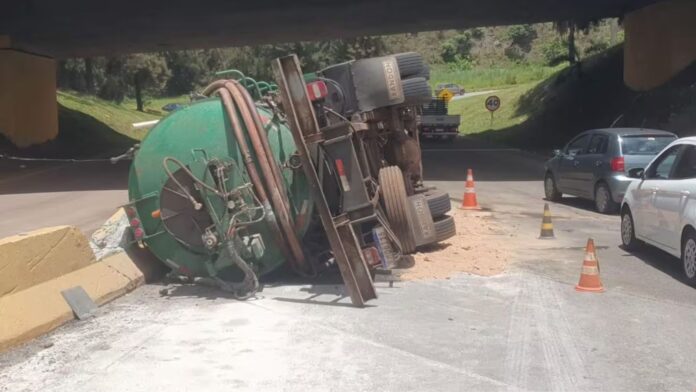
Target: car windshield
[[644, 145]]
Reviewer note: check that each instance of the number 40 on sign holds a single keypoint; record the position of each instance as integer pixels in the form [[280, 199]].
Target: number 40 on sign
[[492, 104]]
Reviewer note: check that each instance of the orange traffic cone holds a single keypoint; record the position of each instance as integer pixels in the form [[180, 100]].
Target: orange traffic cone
[[589, 278], [469, 201]]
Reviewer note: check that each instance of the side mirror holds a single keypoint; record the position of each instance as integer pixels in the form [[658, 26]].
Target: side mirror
[[556, 152], [636, 172]]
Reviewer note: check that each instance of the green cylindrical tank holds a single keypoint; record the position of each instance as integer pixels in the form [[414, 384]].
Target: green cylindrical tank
[[201, 138]]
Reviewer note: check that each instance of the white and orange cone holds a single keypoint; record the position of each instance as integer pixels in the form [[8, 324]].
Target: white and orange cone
[[469, 201], [589, 277]]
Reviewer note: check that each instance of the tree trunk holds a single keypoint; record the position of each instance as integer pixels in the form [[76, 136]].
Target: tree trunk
[[89, 75], [572, 51], [613, 31], [138, 93]]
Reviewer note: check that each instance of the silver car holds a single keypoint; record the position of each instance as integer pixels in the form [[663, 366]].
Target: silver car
[[594, 164]]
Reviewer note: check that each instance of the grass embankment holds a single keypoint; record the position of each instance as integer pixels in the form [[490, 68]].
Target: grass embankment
[[117, 116], [593, 95], [478, 79], [92, 127], [476, 118]]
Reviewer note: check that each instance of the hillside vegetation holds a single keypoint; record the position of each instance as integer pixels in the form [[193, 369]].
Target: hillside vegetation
[[593, 95]]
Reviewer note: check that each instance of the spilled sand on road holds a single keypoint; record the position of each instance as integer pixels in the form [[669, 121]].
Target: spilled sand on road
[[481, 246]]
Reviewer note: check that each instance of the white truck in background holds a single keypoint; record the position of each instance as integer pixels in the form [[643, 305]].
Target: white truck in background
[[436, 123]]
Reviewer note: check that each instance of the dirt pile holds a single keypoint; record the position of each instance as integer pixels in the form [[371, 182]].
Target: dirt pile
[[480, 247]]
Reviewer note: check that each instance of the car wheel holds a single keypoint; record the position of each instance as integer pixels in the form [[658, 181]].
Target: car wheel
[[689, 258], [628, 231], [550, 188], [603, 201]]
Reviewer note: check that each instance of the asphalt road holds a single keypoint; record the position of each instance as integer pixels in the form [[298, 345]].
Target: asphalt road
[[525, 329], [40, 194]]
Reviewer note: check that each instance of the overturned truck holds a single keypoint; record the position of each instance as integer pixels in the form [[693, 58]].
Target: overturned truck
[[314, 171]]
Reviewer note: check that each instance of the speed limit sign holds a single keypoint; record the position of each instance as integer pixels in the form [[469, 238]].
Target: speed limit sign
[[492, 103]]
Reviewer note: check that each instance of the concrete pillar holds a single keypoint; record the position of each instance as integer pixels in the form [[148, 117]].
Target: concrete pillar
[[28, 107], [660, 42]]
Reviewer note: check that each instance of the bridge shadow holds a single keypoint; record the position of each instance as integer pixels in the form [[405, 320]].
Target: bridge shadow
[[580, 203], [17, 177], [490, 162], [80, 137]]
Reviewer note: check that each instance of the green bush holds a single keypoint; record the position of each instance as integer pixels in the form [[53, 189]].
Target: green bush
[[555, 52], [596, 47], [457, 48], [521, 36]]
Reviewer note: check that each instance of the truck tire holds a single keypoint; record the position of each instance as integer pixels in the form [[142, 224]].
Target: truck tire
[[444, 228], [416, 91], [438, 202], [393, 193], [410, 63], [424, 73]]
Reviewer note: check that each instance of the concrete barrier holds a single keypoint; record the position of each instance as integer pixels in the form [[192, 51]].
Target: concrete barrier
[[39, 309], [31, 258], [36, 266]]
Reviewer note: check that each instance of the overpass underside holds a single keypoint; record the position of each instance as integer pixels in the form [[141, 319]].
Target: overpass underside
[[660, 35]]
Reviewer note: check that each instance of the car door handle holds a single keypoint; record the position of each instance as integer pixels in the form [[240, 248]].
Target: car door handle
[[576, 163], [685, 193], [598, 163]]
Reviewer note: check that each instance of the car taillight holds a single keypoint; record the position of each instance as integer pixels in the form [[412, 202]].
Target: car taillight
[[618, 164]]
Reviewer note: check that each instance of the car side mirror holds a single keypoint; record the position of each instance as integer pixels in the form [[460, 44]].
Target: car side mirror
[[556, 152], [636, 172]]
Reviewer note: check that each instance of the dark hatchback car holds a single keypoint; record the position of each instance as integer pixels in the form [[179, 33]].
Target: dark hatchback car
[[594, 164]]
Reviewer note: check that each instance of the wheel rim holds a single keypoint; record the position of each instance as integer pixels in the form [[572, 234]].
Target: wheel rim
[[626, 229], [602, 198], [690, 258], [548, 186]]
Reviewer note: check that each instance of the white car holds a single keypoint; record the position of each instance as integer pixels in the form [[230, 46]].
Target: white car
[[659, 207]]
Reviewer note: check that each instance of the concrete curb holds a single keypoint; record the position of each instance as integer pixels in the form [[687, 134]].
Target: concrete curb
[[31, 258], [41, 308]]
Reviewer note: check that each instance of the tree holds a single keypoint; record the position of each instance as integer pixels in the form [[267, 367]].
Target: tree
[[189, 69], [569, 27], [114, 87], [89, 75], [521, 38], [146, 72], [457, 48]]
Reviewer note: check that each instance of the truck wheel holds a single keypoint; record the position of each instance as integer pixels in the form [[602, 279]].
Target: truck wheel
[[424, 73], [410, 63], [445, 228], [438, 202], [416, 91], [393, 192]]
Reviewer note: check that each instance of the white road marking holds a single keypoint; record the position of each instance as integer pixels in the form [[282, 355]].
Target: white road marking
[[473, 94]]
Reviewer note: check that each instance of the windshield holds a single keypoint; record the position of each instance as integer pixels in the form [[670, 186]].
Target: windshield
[[644, 145]]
